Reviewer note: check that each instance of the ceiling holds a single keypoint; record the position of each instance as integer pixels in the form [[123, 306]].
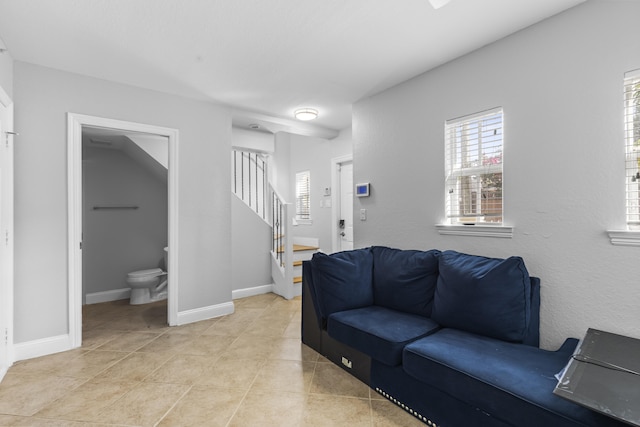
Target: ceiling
[[265, 58]]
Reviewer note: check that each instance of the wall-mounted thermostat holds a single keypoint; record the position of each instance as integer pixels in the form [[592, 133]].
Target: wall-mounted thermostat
[[362, 190]]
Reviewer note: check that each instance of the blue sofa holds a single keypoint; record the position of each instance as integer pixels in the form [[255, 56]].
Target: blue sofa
[[452, 338]]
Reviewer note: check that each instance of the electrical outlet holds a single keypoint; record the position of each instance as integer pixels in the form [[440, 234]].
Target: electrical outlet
[[363, 214]]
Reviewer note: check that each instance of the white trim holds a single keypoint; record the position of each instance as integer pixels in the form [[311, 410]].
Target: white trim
[[75, 122], [624, 237], [43, 347], [632, 74], [335, 197], [7, 223], [250, 292], [205, 313], [474, 116], [106, 296], [476, 230]]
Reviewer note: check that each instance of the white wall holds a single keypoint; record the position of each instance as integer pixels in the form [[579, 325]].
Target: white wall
[[42, 98], [6, 73], [560, 84], [116, 242]]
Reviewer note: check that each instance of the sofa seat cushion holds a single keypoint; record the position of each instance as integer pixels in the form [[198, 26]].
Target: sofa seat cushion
[[379, 332], [405, 280], [513, 382]]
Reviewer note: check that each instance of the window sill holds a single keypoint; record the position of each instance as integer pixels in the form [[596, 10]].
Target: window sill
[[476, 230], [624, 237], [303, 222]]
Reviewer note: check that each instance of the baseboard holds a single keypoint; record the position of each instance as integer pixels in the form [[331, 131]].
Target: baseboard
[[42, 347], [106, 296], [249, 292], [204, 313]]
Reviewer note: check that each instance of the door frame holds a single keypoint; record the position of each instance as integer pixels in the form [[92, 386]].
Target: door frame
[[75, 122], [336, 163], [6, 224]]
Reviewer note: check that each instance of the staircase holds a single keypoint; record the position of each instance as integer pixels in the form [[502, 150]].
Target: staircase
[[250, 183]]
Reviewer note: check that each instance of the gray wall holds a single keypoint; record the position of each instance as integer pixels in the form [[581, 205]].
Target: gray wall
[[42, 98], [314, 155], [251, 247], [560, 84], [116, 242]]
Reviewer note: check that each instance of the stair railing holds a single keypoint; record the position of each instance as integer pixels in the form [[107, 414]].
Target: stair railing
[[282, 214], [249, 180]]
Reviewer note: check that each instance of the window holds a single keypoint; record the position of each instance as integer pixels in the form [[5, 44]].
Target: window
[[473, 168], [303, 196], [632, 143]]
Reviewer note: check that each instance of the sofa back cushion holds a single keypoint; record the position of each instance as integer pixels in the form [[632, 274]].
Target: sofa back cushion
[[405, 280], [487, 296], [342, 281]]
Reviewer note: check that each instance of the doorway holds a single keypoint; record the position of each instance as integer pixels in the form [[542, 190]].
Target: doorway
[[6, 236], [76, 125], [342, 202]]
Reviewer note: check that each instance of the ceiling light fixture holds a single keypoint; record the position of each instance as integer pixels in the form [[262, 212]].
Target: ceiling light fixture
[[305, 114], [437, 4]]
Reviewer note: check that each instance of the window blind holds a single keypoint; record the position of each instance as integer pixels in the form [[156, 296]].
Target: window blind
[[632, 144], [303, 196], [473, 168]]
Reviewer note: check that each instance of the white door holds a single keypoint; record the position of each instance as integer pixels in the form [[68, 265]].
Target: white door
[[345, 229], [6, 230]]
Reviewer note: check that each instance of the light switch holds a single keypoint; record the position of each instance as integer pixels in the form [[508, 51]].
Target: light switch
[[363, 214]]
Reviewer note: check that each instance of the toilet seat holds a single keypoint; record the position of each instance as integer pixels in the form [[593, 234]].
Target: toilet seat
[[144, 275]]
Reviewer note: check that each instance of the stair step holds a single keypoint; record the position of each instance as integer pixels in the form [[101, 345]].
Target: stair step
[[297, 279], [297, 263], [299, 248]]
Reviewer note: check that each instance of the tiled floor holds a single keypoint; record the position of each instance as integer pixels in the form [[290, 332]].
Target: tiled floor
[[245, 369]]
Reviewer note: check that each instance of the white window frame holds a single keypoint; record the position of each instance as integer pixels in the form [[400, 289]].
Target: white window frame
[[303, 197], [472, 223], [631, 236]]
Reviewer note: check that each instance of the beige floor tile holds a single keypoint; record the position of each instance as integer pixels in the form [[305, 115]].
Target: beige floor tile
[[285, 375], [266, 409], [144, 405], [167, 343], [292, 349], [87, 401], [204, 406], [129, 341], [26, 394], [209, 345], [258, 301], [181, 369], [195, 328], [294, 329], [231, 372], [135, 367], [326, 411], [90, 363], [332, 380], [388, 414], [46, 364], [94, 338], [251, 347], [43, 422], [268, 328]]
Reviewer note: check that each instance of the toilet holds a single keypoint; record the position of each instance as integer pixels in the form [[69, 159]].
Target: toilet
[[148, 285]]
